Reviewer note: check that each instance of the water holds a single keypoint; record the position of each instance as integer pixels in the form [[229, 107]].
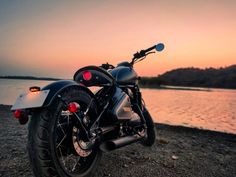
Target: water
[[213, 110], [10, 88]]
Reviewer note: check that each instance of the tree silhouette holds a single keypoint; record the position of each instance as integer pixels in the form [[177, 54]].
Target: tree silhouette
[[195, 77]]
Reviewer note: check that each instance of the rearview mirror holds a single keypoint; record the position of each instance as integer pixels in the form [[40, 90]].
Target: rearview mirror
[[160, 47]]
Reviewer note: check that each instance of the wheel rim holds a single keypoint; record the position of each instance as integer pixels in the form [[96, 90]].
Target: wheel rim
[[67, 142]]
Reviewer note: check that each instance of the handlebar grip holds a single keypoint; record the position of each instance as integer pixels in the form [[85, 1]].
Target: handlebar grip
[[149, 49], [142, 53]]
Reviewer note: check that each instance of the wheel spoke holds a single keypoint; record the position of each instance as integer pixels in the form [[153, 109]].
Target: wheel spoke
[[63, 160], [63, 136], [59, 125], [88, 107], [61, 129], [61, 141], [76, 163]]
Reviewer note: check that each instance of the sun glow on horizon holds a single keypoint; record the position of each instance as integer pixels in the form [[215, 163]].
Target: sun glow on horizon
[[57, 38]]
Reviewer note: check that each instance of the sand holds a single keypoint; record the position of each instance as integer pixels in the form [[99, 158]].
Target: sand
[[178, 151]]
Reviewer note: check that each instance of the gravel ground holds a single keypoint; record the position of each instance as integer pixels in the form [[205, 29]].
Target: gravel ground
[[178, 151]]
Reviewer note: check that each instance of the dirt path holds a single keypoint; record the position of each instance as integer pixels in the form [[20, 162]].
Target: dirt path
[[178, 151]]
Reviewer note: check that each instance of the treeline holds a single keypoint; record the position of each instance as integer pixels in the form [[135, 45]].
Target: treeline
[[29, 78], [195, 77]]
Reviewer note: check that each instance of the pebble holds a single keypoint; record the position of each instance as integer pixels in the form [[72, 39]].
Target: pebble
[[106, 174], [174, 157], [163, 141], [125, 165]]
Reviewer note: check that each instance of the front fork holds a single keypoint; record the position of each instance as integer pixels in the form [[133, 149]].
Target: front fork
[[137, 106], [137, 96]]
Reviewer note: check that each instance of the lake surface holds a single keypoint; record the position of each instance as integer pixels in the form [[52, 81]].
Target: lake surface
[[213, 110]]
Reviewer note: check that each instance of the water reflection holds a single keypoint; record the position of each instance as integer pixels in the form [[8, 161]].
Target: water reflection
[[213, 110]]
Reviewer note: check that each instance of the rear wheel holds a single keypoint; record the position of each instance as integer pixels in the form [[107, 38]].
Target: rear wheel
[[56, 144]]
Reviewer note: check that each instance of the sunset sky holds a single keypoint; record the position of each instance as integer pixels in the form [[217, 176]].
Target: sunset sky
[[54, 38]]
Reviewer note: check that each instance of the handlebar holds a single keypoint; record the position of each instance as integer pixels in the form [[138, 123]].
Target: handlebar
[[138, 56], [143, 53], [149, 49]]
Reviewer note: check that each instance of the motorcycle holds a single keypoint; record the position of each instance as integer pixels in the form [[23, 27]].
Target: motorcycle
[[71, 126]]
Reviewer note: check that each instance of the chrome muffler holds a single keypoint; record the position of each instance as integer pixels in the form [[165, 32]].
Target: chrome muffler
[[120, 142]]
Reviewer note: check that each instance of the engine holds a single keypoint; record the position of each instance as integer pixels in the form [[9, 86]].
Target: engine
[[122, 107]]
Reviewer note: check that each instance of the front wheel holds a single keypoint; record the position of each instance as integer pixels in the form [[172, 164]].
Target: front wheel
[[56, 145], [150, 132]]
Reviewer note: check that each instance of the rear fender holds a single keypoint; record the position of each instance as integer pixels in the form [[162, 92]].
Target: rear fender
[[57, 87]]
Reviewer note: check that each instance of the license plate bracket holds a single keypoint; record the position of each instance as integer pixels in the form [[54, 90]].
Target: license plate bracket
[[30, 100]]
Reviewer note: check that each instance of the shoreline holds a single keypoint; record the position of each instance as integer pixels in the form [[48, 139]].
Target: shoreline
[[29, 78], [167, 87], [178, 151]]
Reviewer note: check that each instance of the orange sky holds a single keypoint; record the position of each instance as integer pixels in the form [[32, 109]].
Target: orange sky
[[54, 38]]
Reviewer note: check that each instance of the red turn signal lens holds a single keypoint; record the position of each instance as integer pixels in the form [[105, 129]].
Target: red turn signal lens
[[87, 75], [73, 107], [18, 113], [22, 116]]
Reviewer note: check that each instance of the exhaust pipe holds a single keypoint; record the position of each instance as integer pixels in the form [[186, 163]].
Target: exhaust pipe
[[118, 143]]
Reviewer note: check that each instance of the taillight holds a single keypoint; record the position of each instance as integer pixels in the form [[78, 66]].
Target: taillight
[[34, 89], [22, 116], [18, 114], [87, 75], [73, 107]]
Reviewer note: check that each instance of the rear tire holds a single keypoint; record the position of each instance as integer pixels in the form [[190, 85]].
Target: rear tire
[[151, 134], [42, 146]]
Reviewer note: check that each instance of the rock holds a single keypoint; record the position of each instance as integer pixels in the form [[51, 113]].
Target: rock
[[125, 165], [163, 141], [174, 157], [106, 174]]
